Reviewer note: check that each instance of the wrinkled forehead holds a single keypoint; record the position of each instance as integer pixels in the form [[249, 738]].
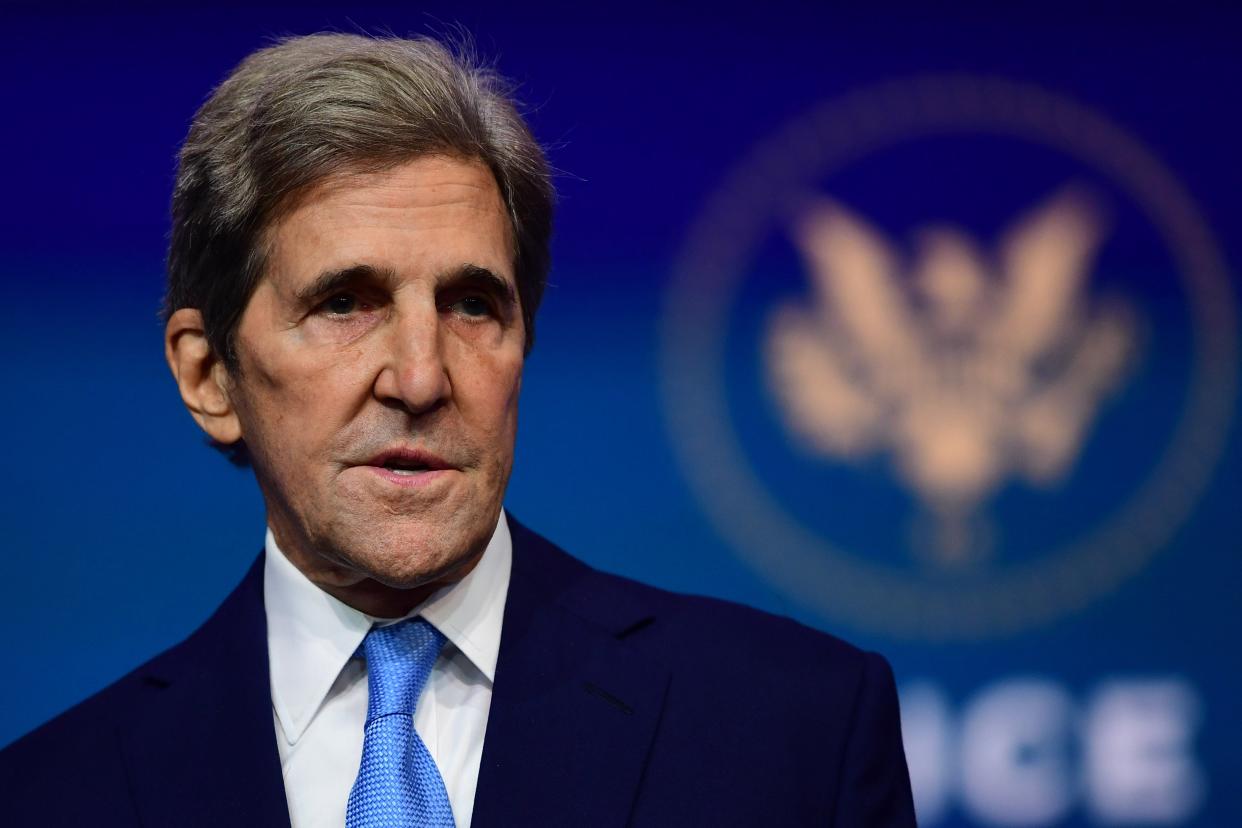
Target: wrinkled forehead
[[380, 177], [428, 217]]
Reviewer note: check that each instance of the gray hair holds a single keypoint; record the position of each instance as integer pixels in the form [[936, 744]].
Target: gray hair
[[297, 112]]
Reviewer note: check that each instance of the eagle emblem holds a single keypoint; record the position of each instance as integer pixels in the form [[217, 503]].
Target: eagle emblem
[[966, 367]]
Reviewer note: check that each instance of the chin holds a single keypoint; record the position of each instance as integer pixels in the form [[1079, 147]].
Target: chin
[[410, 559]]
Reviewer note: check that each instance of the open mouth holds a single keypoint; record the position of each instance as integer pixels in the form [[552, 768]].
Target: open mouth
[[405, 462], [403, 467]]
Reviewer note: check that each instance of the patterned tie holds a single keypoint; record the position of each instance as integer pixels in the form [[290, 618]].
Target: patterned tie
[[398, 782]]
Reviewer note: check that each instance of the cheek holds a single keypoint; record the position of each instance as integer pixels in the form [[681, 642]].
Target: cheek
[[293, 405], [487, 387]]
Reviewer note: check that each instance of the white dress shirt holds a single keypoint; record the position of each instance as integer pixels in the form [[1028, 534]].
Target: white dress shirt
[[319, 689]]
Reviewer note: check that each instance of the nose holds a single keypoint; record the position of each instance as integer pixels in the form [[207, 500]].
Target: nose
[[414, 374]]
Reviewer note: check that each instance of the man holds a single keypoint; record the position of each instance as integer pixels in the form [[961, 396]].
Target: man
[[360, 242]]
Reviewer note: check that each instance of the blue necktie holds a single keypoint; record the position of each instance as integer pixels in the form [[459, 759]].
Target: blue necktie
[[398, 782]]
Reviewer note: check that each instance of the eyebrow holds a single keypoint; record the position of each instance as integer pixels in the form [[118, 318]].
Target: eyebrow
[[337, 279], [482, 278], [331, 281]]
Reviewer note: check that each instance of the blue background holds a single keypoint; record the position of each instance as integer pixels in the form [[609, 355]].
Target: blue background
[[122, 531]]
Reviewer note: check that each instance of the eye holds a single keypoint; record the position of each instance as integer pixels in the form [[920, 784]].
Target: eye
[[342, 304], [474, 306]]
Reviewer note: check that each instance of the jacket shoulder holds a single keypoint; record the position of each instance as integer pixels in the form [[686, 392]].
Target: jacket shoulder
[[823, 711], [82, 744], [99, 713], [700, 633], [85, 741]]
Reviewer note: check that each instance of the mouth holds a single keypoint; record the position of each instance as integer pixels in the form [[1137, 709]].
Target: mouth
[[409, 466]]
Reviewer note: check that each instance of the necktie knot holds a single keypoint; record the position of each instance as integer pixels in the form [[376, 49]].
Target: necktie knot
[[399, 661]]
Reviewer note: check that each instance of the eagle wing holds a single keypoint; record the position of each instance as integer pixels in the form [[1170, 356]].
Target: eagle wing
[[819, 399], [853, 273], [1045, 260]]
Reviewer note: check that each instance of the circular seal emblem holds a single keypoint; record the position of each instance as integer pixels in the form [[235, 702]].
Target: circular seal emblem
[[949, 357]]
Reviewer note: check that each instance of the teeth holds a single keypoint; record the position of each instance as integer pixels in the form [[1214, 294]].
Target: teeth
[[403, 470]]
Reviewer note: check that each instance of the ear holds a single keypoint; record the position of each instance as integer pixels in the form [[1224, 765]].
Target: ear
[[202, 378]]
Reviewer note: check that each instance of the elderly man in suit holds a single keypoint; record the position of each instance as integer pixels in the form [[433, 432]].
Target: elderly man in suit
[[359, 245]]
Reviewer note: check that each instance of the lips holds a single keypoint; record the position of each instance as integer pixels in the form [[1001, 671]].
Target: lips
[[405, 461], [414, 470]]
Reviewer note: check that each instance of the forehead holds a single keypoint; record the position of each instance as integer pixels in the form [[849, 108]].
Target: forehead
[[431, 211]]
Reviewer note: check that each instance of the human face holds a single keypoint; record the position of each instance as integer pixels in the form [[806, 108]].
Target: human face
[[380, 359]]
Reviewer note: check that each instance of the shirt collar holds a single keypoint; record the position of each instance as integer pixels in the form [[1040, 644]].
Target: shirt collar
[[311, 635]]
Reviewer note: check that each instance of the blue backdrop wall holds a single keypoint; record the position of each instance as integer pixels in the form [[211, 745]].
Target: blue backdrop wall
[[918, 325]]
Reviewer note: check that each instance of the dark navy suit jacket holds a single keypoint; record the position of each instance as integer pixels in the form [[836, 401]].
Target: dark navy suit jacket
[[614, 704]]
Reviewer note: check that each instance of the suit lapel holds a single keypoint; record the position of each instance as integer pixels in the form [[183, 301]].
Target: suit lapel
[[204, 751], [573, 714], [574, 708]]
